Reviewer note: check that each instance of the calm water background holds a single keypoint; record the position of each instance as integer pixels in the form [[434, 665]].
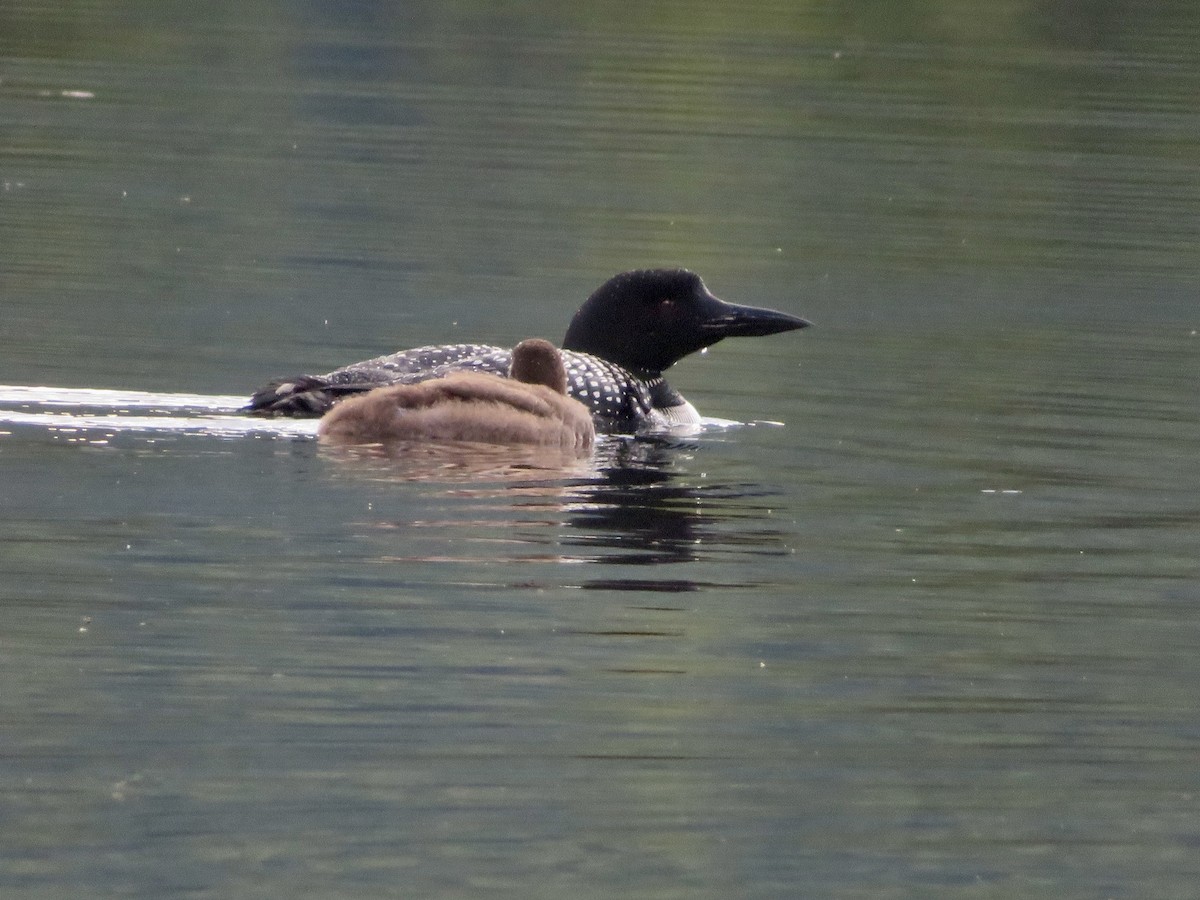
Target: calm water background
[[936, 635]]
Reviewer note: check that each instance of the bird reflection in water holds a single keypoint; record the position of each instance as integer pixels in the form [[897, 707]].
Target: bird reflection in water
[[630, 504]]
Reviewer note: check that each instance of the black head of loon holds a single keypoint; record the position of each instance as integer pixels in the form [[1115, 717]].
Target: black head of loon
[[647, 320]]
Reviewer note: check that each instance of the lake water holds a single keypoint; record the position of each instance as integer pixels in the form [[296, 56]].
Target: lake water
[[916, 615]]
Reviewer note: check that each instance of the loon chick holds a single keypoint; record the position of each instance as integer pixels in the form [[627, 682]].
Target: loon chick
[[633, 328], [530, 406]]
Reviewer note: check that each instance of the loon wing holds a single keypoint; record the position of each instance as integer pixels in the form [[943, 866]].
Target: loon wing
[[423, 363], [313, 395]]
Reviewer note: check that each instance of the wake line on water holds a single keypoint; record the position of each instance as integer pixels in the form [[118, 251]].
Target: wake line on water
[[97, 409], [72, 410]]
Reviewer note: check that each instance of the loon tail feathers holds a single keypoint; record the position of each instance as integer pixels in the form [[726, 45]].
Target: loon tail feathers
[[304, 396]]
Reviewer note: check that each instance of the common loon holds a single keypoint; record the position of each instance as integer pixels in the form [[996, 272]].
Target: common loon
[[529, 407], [626, 334]]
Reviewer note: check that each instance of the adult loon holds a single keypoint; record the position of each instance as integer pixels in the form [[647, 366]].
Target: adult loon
[[529, 407], [633, 328]]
